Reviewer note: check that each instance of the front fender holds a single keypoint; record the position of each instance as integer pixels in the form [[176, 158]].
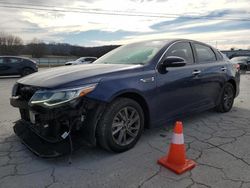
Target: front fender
[[125, 91], [107, 90]]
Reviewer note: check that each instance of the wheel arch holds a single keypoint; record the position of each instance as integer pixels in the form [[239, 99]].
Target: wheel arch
[[141, 101], [26, 67], [233, 82]]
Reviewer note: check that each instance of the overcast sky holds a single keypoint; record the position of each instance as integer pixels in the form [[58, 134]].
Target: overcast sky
[[225, 23]]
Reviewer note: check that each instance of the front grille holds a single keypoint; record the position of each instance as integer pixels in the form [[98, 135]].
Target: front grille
[[26, 92]]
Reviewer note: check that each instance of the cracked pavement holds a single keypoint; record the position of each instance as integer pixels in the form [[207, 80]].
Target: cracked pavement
[[218, 143]]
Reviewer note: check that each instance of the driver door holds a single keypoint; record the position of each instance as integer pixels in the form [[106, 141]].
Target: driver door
[[179, 87]]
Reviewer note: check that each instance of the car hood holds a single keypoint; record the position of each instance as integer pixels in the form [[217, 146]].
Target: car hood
[[70, 76]]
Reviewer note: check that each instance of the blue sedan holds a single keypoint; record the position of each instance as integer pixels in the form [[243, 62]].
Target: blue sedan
[[111, 101]]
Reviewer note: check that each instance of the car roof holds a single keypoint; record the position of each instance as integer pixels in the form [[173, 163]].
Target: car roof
[[168, 41], [15, 57]]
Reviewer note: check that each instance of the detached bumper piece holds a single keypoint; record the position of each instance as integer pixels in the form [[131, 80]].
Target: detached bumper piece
[[41, 147]]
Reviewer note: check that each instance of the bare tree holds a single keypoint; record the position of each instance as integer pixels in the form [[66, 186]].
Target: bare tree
[[10, 44], [37, 48]]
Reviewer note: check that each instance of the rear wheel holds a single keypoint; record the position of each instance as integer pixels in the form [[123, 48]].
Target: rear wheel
[[26, 71], [227, 98], [121, 125]]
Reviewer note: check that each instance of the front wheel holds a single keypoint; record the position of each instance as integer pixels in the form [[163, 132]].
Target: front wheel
[[26, 71], [121, 125], [227, 98]]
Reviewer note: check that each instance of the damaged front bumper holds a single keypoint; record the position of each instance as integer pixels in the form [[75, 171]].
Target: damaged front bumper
[[48, 132], [38, 145]]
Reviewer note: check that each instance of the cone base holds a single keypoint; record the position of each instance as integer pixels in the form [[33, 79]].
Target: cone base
[[178, 169]]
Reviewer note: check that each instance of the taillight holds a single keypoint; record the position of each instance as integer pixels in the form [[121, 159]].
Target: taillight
[[237, 66]]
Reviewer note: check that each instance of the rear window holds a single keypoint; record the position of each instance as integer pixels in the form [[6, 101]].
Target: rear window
[[219, 55], [224, 56]]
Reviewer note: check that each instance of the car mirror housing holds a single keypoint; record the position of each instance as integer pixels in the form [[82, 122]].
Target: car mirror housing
[[174, 61], [171, 61]]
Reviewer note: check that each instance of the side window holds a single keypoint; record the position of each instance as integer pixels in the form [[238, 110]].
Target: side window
[[89, 59], [224, 56], [183, 50], [14, 60], [6, 60], [218, 54], [204, 53], [1, 60]]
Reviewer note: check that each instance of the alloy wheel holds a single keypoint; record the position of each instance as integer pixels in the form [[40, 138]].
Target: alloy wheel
[[126, 126], [228, 97]]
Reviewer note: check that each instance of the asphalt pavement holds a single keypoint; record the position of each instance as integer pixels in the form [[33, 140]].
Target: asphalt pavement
[[218, 143]]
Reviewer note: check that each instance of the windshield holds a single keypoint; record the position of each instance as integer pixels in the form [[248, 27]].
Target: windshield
[[136, 53], [81, 59]]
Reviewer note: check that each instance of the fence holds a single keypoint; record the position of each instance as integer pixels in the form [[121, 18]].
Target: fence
[[53, 61]]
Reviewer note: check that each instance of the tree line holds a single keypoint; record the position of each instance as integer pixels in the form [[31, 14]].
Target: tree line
[[14, 45]]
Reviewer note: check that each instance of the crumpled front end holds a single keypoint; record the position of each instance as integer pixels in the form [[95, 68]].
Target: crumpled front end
[[51, 132]]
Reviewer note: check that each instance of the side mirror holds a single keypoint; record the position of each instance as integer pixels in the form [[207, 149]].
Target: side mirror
[[174, 61], [171, 61]]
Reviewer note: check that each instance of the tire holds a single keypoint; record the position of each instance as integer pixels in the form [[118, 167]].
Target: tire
[[243, 70], [226, 99], [115, 123], [26, 71]]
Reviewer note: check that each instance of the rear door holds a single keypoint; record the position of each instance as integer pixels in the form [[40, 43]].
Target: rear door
[[213, 73], [179, 88]]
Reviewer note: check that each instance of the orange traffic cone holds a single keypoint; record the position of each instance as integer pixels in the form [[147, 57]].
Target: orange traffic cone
[[176, 159]]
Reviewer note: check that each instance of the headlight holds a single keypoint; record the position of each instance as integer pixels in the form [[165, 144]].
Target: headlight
[[56, 97], [14, 90]]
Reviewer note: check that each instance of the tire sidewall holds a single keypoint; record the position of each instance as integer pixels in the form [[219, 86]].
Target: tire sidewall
[[23, 73], [225, 109]]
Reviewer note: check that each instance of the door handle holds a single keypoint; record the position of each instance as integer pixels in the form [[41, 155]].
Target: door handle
[[196, 72], [145, 80], [223, 68]]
